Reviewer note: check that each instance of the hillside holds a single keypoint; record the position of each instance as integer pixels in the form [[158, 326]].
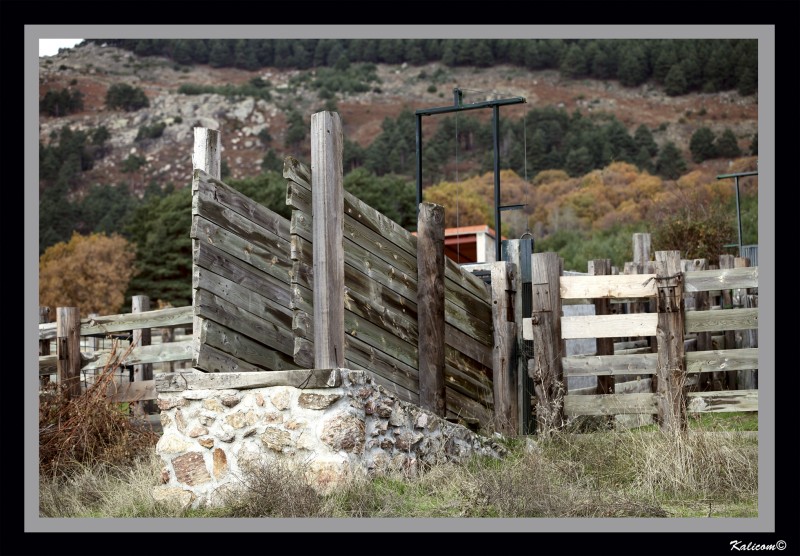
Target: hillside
[[92, 69]]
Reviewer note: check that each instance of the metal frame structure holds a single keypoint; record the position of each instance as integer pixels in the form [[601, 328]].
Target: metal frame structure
[[458, 106], [738, 210]]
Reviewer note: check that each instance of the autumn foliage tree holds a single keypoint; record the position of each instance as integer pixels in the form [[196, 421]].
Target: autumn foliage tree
[[89, 272]]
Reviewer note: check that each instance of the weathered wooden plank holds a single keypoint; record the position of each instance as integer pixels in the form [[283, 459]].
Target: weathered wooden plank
[[209, 257], [602, 306], [239, 225], [206, 157], [503, 363], [365, 356], [467, 345], [138, 355], [387, 277], [465, 384], [399, 322], [304, 352], [721, 360], [473, 285], [298, 378], [141, 337], [296, 171], [607, 286], [546, 332], [729, 319], [603, 326], [173, 316], [722, 401], [430, 307], [139, 391], [299, 196], [721, 279], [671, 370], [244, 348], [610, 365], [610, 404], [327, 233], [358, 327], [219, 310], [381, 246], [462, 407], [252, 253], [224, 196], [365, 261], [245, 299], [68, 346]]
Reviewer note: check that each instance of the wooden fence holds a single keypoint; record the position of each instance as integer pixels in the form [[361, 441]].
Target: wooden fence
[[673, 327], [341, 285], [84, 347], [255, 296]]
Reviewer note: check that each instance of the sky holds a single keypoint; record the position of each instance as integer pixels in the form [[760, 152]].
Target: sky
[[49, 47]]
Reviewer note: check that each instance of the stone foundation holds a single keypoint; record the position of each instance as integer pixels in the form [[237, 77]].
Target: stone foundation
[[332, 422]]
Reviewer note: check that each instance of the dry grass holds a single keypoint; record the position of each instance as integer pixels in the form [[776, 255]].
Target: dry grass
[[95, 463]]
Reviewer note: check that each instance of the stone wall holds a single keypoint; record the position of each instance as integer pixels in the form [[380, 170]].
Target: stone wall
[[334, 423]]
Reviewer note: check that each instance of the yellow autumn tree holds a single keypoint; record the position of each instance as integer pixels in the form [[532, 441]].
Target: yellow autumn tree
[[89, 272]]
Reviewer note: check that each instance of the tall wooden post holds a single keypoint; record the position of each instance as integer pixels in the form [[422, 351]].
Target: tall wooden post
[[327, 202], [44, 345], [604, 346], [545, 368], [68, 349], [205, 157], [671, 371], [504, 366], [430, 307], [731, 377], [745, 378], [518, 252], [141, 337]]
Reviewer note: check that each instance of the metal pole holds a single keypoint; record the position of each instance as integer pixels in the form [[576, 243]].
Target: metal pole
[[738, 215], [419, 161], [738, 209], [496, 112]]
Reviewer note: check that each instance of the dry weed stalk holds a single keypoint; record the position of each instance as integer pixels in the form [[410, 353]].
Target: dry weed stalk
[[90, 428]]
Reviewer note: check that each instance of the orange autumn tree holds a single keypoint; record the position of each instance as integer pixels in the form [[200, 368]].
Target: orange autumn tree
[[89, 272]]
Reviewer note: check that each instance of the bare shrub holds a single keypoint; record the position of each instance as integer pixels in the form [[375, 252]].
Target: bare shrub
[[272, 488], [88, 429]]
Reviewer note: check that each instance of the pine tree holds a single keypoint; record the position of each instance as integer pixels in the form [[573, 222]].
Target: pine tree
[[670, 163], [702, 146], [643, 138], [727, 146]]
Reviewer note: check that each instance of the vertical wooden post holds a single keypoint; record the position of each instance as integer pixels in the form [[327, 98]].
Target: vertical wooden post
[[327, 202], [504, 375], [605, 346], [167, 337], [205, 157], [545, 368], [430, 307], [671, 371], [44, 345], [68, 350], [141, 337], [713, 380], [178, 333], [518, 252], [93, 343], [726, 262], [745, 378]]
